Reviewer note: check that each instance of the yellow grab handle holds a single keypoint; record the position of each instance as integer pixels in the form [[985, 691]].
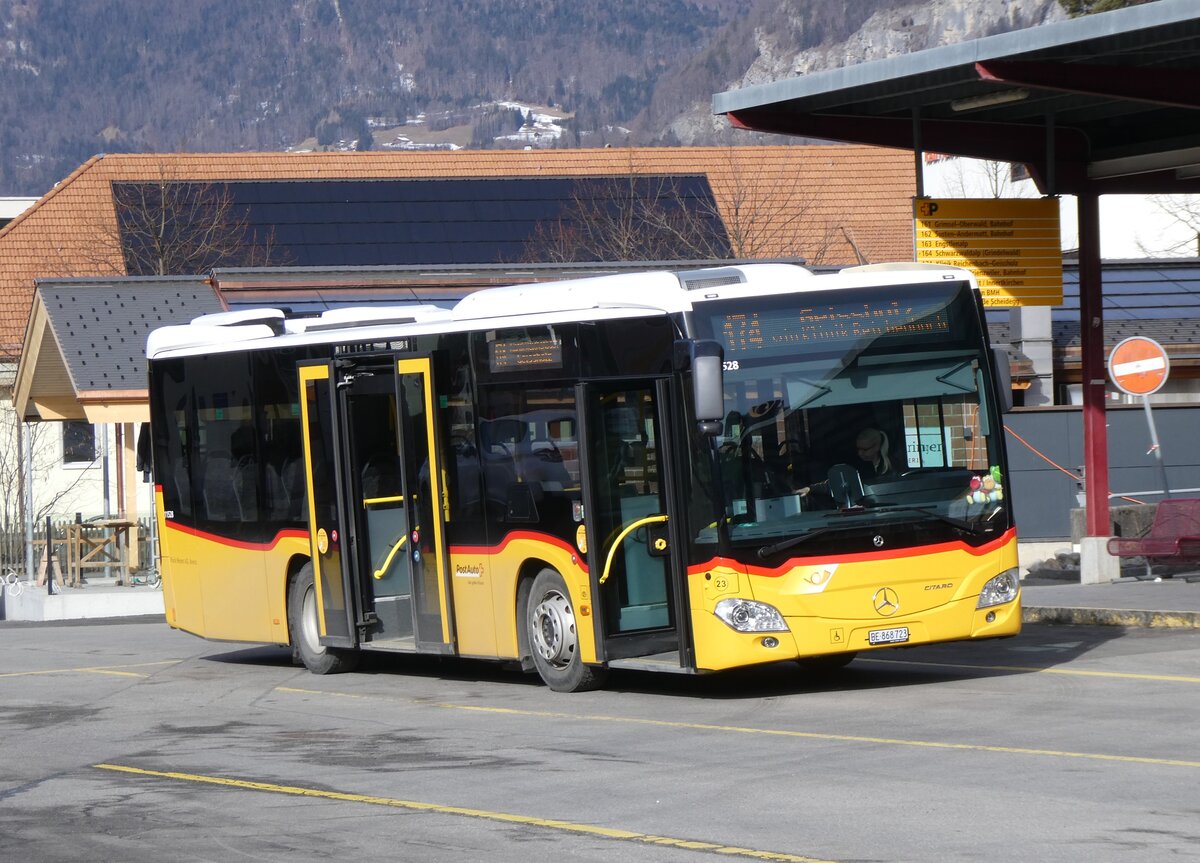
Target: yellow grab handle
[[388, 562], [650, 519]]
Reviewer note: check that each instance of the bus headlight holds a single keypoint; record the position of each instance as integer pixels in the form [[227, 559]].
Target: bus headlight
[[746, 615], [1003, 588]]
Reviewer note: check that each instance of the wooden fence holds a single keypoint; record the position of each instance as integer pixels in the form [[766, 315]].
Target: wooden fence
[[13, 543]]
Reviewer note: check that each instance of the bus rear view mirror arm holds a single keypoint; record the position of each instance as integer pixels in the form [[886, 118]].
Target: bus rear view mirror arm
[[706, 360]]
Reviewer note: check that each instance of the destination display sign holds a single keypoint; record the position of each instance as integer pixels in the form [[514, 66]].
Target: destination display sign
[[510, 355], [782, 330], [1012, 245]]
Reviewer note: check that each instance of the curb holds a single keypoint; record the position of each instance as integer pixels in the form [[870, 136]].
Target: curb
[[1111, 617]]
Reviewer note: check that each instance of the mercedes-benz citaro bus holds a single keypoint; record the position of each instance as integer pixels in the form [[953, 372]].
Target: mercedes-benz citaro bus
[[682, 471]]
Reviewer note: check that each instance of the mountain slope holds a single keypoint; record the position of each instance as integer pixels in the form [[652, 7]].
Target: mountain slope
[[84, 76]]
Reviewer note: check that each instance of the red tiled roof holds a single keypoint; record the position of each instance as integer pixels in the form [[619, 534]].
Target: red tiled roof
[[828, 204]]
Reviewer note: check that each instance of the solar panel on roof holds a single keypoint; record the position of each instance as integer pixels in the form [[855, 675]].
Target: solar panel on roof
[[397, 222]]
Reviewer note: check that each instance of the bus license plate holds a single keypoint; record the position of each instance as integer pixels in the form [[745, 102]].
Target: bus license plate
[[888, 636]]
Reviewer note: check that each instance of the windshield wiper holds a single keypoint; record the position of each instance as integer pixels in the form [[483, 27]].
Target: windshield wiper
[[950, 520], [768, 550]]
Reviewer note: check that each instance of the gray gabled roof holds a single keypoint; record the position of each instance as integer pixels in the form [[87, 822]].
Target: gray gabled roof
[[89, 343]]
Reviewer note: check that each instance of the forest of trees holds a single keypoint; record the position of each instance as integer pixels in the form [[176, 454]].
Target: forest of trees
[[79, 77]]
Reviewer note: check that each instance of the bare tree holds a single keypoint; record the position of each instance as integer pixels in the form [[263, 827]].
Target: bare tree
[[172, 228], [1184, 211], [977, 178], [771, 217], [42, 442], [167, 226], [633, 217], [640, 215]]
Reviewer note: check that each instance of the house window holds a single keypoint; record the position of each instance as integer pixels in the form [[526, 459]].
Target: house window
[[79, 442]]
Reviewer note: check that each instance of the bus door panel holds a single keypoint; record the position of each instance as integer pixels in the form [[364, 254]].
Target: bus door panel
[[627, 511], [377, 501], [331, 570], [395, 485], [424, 491]]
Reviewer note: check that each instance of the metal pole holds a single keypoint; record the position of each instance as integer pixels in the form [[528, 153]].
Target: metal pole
[[918, 152], [1095, 431], [104, 468], [1155, 448], [51, 589], [30, 572]]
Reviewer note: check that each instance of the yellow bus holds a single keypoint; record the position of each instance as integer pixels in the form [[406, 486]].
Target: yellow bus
[[682, 471]]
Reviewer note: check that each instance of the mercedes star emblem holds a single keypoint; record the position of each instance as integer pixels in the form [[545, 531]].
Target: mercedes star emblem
[[886, 602]]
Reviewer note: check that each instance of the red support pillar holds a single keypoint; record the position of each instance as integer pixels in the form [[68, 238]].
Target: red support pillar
[[1091, 328]]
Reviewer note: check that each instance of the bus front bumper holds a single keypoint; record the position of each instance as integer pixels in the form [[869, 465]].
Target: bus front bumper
[[720, 647]]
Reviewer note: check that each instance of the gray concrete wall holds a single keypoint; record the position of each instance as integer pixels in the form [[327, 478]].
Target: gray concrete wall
[[1043, 496]]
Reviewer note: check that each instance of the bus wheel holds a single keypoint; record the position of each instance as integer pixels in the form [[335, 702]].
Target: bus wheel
[[303, 627], [554, 639], [826, 664]]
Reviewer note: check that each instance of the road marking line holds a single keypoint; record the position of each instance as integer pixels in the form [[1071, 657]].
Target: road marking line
[[1118, 675], [318, 692], [504, 817], [775, 732], [94, 669], [847, 738]]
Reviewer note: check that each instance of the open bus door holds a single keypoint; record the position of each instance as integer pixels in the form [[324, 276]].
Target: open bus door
[[376, 505], [634, 554]]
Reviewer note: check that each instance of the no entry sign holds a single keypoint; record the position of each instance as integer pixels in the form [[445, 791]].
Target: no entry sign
[[1138, 366]]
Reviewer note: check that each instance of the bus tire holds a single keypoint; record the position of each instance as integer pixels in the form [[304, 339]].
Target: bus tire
[[827, 663], [553, 637], [303, 627]]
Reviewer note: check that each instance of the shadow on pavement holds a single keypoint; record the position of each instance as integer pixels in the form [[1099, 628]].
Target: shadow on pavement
[[1039, 647]]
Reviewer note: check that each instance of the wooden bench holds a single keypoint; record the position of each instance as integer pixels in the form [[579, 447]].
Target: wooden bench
[[1174, 537]]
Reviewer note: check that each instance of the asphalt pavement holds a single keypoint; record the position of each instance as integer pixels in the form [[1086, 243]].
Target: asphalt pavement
[[1171, 601]]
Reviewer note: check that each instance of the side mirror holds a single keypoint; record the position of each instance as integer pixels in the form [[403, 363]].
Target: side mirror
[[1003, 373], [706, 360]]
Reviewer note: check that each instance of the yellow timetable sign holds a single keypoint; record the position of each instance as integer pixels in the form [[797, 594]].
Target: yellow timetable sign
[[1011, 244]]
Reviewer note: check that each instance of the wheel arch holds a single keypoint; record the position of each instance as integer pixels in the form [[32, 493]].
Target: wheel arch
[[526, 573], [295, 563]]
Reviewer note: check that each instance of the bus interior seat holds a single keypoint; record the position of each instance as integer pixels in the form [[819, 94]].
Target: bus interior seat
[[183, 485], [245, 478], [277, 495], [221, 501], [285, 489], [291, 476]]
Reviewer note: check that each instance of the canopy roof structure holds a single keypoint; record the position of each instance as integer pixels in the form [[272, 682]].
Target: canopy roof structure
[[85, 347], [1096, 105], [1104, 103]]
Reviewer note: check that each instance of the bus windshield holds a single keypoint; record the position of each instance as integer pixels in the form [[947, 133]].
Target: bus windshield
[[854, 409]]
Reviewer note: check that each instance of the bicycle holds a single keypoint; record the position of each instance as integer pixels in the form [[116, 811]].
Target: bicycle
[[13, 585], [151, 577]]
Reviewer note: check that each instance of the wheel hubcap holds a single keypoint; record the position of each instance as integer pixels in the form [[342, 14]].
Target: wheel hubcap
[[308, 626], [553, 629]]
